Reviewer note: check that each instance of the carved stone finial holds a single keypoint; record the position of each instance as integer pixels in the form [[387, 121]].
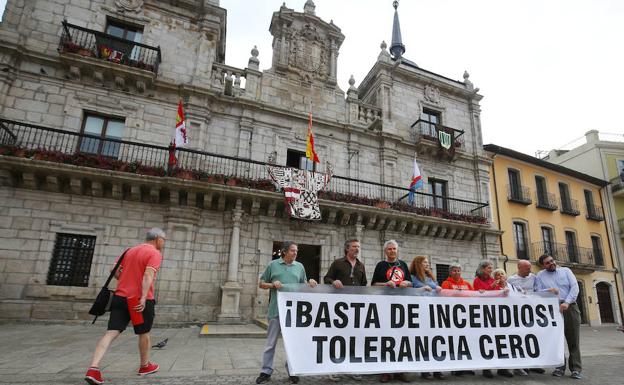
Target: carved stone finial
[[351, 81], [467, 81], [254, 62], [309, 7], [395, 4], [383, 45]]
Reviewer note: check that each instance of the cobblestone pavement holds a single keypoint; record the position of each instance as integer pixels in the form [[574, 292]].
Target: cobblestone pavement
[[59, 354]]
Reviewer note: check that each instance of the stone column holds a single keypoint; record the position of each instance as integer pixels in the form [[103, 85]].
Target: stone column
[[230, 291]]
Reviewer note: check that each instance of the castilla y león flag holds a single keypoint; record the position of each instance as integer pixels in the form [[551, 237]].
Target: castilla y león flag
[[310, 152]]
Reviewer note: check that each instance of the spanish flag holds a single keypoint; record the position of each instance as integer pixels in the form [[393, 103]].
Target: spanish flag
[[310, 152], [180, 138]]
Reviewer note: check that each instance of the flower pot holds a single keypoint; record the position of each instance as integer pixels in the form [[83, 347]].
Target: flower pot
[[382, 205]]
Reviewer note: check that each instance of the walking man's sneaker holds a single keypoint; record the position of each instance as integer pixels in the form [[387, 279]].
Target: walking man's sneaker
[[263, 378], [94, 376], [576, 375], [148, 369], [558, 372]]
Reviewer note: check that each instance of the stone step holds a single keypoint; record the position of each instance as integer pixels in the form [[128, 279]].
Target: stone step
[[232, 331]]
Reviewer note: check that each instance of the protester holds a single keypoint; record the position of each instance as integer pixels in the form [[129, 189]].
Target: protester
[[347, 271], [394, 273], [136, 275], [422, 277], [524, 281], [561, 278], [279, 272], [455, 281], [485, 282], [500, 280]]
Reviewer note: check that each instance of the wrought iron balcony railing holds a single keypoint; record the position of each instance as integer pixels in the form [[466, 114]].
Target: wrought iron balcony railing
[[569, 207], [519, 194], [568, 253], [430, 132], [546, 201], [90, 43], [26, 140], [595, 213], [617, 185]]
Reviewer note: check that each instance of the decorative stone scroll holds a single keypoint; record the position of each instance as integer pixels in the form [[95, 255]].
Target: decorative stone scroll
[[432, 94], [129, 5]]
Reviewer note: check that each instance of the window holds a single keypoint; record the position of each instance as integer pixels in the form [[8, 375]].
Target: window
[[442, 273], [597, 250], [438, 188], [571, 247], [540, 186], [515, 188], [592, 211], [126, 32], [564, 193], [298, 159], [520, 240], [104, 128], [429, 120], [548, 241], [71, 260]]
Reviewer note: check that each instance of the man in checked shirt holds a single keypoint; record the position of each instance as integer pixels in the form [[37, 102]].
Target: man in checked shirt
[[347, 271]]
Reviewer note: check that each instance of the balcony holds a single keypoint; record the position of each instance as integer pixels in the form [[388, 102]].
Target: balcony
[[595, 213], [546, 201], [574, 256], [617, 186], [519, 194], [386, 203], [102, 47], [569, 207], [427, 138]]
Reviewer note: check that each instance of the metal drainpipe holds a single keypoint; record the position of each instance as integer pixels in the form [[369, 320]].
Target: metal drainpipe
[[500, 236], [617, 268]]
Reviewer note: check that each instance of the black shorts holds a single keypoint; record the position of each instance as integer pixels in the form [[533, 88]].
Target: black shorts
[[120, 315]]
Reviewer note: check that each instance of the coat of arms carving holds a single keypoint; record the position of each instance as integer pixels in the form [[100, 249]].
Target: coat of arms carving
[[308, 53]]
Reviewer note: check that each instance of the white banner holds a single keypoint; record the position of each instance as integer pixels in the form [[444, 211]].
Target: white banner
[[384, 330]]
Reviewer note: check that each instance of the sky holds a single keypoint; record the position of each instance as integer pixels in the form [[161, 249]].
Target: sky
[[549, 70]]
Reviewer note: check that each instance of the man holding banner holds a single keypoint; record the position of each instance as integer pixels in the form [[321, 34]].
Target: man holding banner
[[563, 279], [392, 273], [347, 271], [280, 272]]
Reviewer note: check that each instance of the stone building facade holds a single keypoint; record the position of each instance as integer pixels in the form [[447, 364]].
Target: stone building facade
[[88, 97]]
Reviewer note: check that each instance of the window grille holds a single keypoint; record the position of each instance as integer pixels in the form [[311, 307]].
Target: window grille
[[71, 260]]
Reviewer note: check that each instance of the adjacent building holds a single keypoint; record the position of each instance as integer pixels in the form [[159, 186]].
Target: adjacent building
[[602, 156], [88, 98], [545, 208]]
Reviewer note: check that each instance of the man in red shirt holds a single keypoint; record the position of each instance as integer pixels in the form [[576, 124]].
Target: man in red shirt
[[136, 275]]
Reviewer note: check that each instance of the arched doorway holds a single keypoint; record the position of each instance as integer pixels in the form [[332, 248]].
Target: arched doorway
[[603, 291], [580, 300]]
